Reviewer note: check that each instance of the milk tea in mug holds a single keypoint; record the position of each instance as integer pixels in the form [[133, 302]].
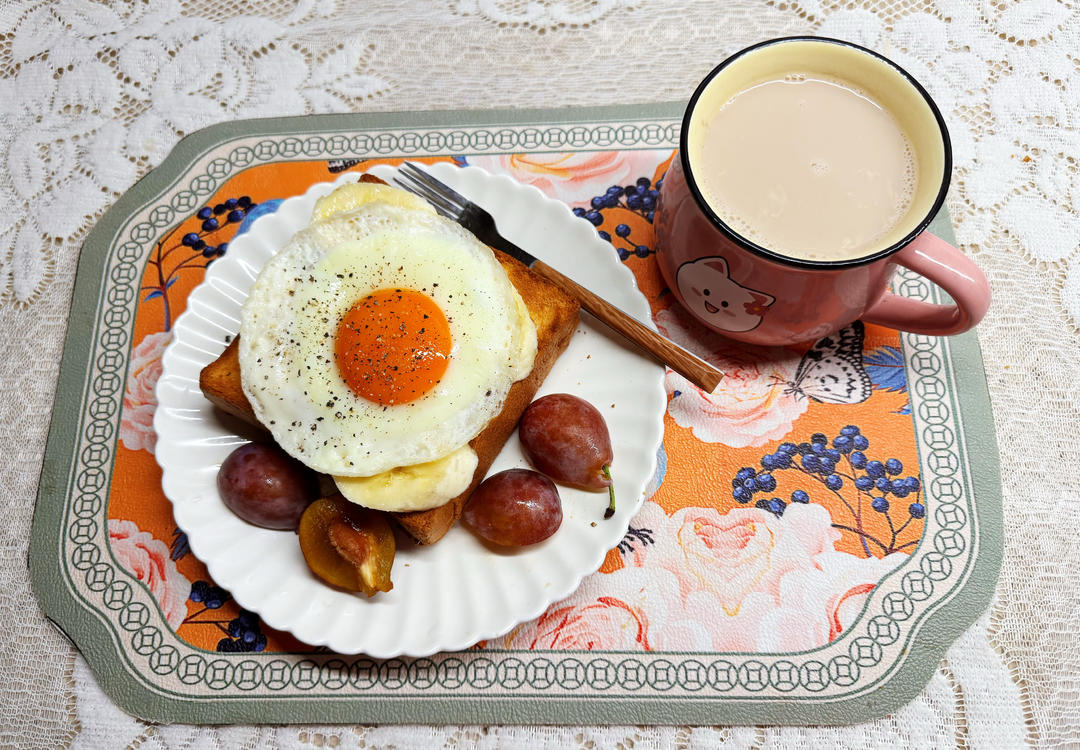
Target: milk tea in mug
[[807, 170]]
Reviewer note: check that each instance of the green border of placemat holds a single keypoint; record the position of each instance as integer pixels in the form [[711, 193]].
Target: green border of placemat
[[100, 649]]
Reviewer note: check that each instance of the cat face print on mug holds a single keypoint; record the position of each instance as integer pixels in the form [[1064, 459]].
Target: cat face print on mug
[[709, 292]]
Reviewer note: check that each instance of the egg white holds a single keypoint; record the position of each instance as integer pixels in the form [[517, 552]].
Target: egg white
[[290, 320]]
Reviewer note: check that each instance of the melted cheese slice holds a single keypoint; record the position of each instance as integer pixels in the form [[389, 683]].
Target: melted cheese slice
[[417, 487]]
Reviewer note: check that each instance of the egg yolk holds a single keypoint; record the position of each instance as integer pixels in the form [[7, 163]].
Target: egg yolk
[[393, 346]]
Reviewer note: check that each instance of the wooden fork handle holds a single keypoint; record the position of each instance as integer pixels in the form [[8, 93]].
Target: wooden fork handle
[[693, 368]]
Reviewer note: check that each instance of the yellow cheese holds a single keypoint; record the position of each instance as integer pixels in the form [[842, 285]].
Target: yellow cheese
[[417, 487], [355, 194]]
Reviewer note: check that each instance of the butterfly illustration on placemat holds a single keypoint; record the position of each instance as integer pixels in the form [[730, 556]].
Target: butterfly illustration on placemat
[[832, 371]]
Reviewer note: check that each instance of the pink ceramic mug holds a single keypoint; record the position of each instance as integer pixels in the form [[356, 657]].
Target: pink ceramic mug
[[756, 294]]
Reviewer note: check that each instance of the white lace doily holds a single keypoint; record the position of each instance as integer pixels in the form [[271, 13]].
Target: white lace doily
[[94, 94]]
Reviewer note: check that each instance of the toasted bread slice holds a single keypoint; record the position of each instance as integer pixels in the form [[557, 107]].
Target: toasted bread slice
[[555, 315]]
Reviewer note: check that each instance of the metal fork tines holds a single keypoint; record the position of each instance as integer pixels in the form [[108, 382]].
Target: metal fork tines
[[444, 198], [455, 206]]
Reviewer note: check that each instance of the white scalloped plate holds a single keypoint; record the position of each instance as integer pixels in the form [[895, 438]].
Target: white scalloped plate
[[452, 594]]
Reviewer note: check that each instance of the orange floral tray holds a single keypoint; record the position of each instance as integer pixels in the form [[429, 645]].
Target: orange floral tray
[[797, 560]]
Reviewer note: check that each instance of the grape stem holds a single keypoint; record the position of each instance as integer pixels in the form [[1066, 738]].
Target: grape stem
[[606, 469]]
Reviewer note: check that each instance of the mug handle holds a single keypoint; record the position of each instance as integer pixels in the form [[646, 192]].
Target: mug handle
[[937, 260]]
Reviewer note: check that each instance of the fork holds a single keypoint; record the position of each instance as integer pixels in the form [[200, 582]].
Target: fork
[[457, 207]]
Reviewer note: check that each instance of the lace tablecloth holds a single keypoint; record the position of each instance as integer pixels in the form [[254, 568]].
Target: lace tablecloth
[[94, 94]]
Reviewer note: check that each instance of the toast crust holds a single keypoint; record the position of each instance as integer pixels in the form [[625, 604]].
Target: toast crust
[[555, 315]]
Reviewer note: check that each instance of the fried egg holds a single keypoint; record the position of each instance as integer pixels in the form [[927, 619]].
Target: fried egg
[[382, 336]]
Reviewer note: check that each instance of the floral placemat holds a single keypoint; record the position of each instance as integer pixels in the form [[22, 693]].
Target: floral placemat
[[796, 561]]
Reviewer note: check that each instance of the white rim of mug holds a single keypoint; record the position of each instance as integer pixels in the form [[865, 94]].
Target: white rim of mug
[[753, 247]]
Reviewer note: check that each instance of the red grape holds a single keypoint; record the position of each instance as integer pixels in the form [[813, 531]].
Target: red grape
[[566, 438], [514, 508], [265, 486]]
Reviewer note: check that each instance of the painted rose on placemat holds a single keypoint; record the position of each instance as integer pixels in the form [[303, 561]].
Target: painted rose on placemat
[[137, 417], [629, 609], [819, 603], [770, 583], [745, 580], [740, 551], [575, 177], [148, 560], [750, 406]]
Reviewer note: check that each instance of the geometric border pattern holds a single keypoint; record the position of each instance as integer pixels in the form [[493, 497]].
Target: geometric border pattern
[[854, 667]]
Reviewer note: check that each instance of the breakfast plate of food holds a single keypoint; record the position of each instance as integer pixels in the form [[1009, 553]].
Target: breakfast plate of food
[[338, 416]]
